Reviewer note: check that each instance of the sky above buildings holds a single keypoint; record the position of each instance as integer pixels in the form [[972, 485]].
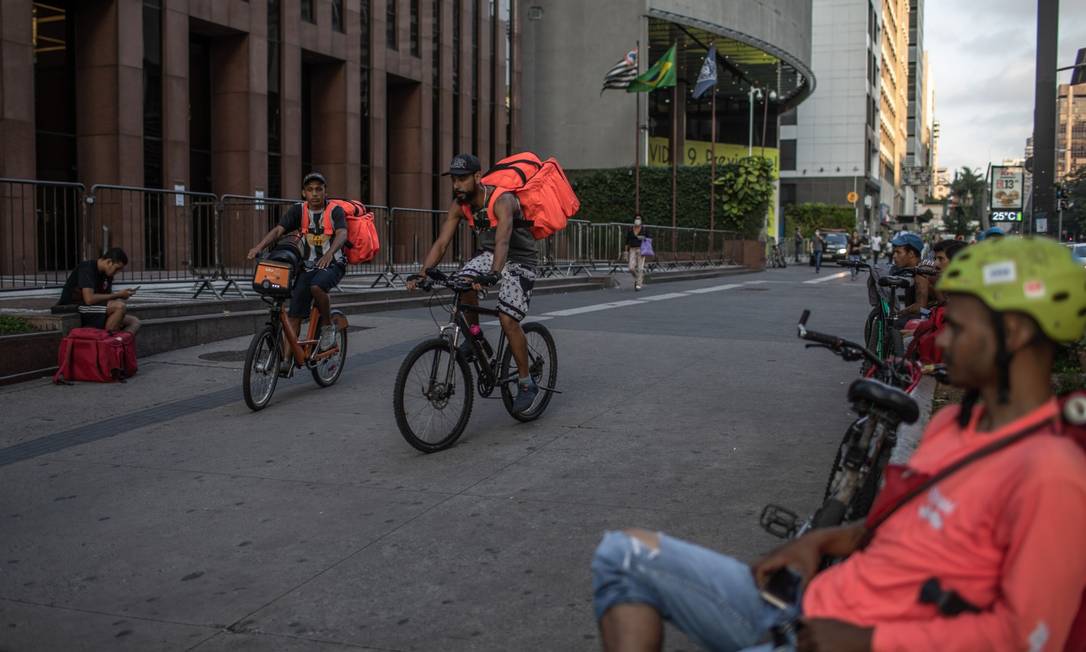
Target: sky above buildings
[[982, 60]]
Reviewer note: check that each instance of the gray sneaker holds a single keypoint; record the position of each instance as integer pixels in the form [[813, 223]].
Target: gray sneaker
[[526, 393], [328, 338]]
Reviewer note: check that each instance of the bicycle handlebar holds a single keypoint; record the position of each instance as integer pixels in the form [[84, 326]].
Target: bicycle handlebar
[[837, 345]]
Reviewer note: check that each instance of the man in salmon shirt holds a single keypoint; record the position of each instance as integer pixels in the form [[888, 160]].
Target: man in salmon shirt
[[1004, 534]]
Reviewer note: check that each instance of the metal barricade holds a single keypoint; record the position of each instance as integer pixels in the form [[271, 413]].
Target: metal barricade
[[242, 221], [169, 235], [412, 232], [567, 252], [43, 231]]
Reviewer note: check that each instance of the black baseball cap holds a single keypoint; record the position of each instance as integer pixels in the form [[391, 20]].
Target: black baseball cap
[[463, 164], [314, 176]]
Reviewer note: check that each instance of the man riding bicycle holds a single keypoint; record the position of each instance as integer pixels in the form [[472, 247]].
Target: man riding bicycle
[[988, 558], [323, 231], [507, 256]]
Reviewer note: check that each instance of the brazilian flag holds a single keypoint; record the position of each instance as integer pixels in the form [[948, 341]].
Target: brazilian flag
[[660, 75]]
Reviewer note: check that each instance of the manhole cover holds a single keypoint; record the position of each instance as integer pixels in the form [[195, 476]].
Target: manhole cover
[[224, 356], [754, 289]]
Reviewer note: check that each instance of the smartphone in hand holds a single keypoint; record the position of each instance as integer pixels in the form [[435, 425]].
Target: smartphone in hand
[[782, 588]]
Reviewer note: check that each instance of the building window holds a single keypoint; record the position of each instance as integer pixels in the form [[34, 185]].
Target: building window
[[275, 126], [789, 118], [152, 93], [415, 28], [54, 93], [364, 105], [457, 20], [337, 15], [307, 11], [475, 75], [788, 154], [435, 86], [507, 20], [494, 83], [390, 25], [154, 233]]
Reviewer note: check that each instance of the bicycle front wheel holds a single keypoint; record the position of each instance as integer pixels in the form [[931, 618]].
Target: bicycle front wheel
[[433, 396], [261, 369], [542, 365]]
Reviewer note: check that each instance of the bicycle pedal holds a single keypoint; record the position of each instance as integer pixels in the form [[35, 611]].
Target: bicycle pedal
[[779, 521]]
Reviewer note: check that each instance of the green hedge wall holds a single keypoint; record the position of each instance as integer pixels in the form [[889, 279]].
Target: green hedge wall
[[811, 216], [607, 195]]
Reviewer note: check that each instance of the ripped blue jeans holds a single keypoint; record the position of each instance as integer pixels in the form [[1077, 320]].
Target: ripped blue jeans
[[709, 596]]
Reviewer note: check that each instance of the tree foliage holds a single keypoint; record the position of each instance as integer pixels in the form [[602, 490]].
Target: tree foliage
[[811, 216], [744, 189]]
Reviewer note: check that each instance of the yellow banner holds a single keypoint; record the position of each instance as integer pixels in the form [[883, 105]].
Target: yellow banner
[[700, 152]]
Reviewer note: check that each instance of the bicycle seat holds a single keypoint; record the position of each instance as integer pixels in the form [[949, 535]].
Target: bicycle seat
[[886, 397]]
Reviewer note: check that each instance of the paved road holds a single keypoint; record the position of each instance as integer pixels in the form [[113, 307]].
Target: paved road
[[162, 514]]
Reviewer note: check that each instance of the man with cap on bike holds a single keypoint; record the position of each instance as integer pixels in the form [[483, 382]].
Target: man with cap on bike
[[323, 232], [507, 258], [989, 557], [906, 255]]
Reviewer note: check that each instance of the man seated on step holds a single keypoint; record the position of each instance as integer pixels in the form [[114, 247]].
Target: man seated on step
[[986, 558], [90, 288]]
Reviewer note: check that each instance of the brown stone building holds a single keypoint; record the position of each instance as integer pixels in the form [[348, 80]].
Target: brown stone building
[[237, 96]]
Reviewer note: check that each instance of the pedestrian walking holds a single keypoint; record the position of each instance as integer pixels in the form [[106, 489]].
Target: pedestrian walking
[[876, 247], [636, 237], [818, 245], [799, 243], [855, 251]]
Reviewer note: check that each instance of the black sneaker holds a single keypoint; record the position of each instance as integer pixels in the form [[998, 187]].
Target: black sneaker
[[467, 350], [526, 393]]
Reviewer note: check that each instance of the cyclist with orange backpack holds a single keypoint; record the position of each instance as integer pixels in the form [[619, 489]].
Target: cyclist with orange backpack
[[323, 231], [508, 257]]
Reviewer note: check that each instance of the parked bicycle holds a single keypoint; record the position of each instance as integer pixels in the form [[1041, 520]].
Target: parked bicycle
[[433, 396], [776, 257], [277, 341], [864, 451]]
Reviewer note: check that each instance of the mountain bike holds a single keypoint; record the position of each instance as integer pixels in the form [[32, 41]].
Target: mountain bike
[[433, 396], [864, 451], [266, 350]]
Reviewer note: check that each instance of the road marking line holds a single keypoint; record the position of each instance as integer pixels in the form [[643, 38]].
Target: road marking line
[[828, 278], [715, 288], [661, 297], [527, 320], [593, 308]]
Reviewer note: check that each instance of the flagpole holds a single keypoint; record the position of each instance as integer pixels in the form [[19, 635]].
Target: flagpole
[[674, 161], [712, 171], [637, 140]]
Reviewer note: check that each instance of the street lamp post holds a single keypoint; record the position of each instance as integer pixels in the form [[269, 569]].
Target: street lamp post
[[752, 94]]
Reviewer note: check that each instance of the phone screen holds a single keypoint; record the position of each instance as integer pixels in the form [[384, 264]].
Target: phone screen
[[782, 588]]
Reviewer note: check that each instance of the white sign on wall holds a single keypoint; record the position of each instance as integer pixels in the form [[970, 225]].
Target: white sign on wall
[[1007, 191]]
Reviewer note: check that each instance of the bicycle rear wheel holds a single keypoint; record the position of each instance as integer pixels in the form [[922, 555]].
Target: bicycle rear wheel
[[261, 372], [543, 366], [433, 396]]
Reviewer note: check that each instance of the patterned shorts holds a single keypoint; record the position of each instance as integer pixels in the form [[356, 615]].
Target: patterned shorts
[[516, 287]]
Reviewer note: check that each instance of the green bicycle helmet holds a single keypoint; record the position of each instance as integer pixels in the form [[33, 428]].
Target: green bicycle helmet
[[1031, 275]]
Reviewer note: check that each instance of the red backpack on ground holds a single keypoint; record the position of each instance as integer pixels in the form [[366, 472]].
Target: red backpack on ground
[[95, 355], [546, 198], [362, 241]]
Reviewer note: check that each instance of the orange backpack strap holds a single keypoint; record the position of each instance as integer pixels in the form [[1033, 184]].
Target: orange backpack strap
[[326, 218]]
